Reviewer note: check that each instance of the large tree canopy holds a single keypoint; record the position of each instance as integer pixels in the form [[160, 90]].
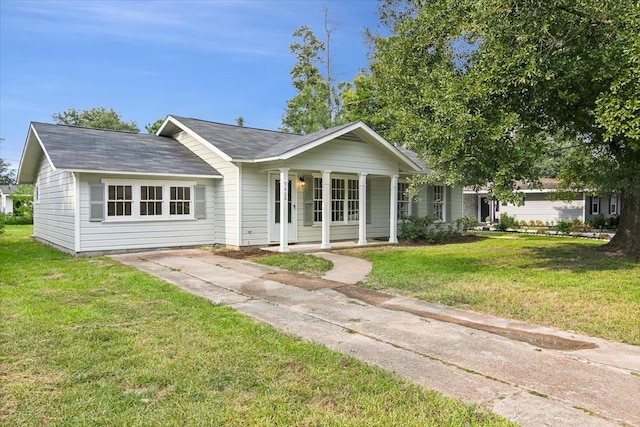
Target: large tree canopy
[[99, 118], [477, 87]]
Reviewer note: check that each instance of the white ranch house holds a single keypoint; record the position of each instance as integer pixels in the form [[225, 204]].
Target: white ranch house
[[538, 205], [203, 183]]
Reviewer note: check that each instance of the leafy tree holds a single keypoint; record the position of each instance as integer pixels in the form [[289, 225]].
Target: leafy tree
[[99, 118], [307, 111], [240, 121], [7, 175], [360, 101], [477, 86], [23, 201], [152, 128]]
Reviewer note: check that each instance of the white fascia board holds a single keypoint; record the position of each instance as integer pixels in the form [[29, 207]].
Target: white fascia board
[[337, 134], [162, 126], [196, 136], [154, 174], [27, 145]]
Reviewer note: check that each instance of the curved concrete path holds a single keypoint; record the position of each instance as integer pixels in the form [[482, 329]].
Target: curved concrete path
[[345, 269], [533, 386]]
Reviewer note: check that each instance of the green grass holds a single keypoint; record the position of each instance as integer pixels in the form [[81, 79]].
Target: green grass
[[559, 282], [297, 262], [93, 342]]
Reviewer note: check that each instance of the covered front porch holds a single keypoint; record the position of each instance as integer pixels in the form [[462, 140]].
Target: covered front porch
[[332, 203], [316, 247]]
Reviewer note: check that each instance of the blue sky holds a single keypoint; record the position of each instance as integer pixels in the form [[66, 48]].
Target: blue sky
[[214, 60]]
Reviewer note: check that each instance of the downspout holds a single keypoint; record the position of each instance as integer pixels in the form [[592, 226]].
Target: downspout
[[76, 207], [239, 208]]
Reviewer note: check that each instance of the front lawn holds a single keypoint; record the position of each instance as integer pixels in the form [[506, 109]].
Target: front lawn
[[554, 281], [93, 342]]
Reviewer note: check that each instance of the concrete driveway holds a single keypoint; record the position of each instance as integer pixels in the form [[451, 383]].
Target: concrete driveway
[[533, 375]]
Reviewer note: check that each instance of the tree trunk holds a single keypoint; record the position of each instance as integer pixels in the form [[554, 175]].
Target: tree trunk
[[627, 238]]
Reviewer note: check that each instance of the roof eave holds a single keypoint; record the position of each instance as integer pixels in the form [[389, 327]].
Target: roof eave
[[21, 179], [160, 174]]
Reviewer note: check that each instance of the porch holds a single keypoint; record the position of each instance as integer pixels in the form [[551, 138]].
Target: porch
[[317, 247]]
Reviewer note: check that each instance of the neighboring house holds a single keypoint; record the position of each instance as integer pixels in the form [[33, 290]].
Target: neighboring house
[[6, 198], [538, 205], [203, 183]]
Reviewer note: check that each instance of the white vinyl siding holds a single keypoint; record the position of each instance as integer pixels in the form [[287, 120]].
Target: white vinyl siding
[[255, 213], [540, 208], [141, 232], [53, 215], [225, 189], [344, 156]]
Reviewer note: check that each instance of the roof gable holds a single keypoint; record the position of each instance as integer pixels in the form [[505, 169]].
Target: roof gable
[[97, 150], [243, 144]]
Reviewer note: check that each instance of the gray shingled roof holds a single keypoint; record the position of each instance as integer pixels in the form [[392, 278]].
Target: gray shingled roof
[[76, 148], [8, 189], [243, 143]]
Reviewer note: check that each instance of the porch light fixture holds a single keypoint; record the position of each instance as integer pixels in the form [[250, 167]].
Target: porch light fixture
[[301, 182]]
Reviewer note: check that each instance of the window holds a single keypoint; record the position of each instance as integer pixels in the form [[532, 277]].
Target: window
[[353, 203], [150, 200], [119, 200], [337, 200], [595, 205], [613, 205], [317, 199], [404, 200], [146, 200], [345, 199], [438, 202], [179, 200], [36, 191]]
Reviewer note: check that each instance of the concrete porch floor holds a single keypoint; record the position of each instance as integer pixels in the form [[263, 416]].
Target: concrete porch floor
[[315, 247]]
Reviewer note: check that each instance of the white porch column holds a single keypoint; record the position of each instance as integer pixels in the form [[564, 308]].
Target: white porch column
[[326, 210], [284, 209], [393, 210], [362, 210]]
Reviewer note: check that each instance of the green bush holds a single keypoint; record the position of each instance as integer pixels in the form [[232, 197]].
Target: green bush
[[613, 221], [599, 221], [424, 229], [466, 222], [11, 219], [564, 227], [506, 222]]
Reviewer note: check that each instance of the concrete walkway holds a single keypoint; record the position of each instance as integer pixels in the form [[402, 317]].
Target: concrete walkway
[[477, 358], [345, 269]]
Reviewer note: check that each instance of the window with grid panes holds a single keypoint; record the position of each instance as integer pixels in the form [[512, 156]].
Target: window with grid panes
[[150, 200], [438, 202], [403, 200], [317, 199], [179, 200], [119, 200]]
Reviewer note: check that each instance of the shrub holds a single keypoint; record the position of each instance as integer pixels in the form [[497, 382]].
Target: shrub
[[580, 227], [599, 221], [613, 221], [539, 223], [12, 219], [414, 229], [466, 222], [564, 227], [506, 222]]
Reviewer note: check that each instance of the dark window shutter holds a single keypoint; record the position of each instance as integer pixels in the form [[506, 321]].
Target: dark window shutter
[[415, 208], [447, 200], [307, 197], [96, 202], [368, 193], [200, 201], [590, 205]]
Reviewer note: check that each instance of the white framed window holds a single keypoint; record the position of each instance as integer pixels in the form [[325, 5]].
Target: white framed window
[[595, 205], [613, 205], [119, 200], [180, 200], [36, 191], [438, 202], [147, 200], [404, 200], [150, 200], [317, 199], [345, 199]]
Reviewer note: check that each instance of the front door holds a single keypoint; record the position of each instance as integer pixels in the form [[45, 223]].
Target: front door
[[274, 209], [484, 209]]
